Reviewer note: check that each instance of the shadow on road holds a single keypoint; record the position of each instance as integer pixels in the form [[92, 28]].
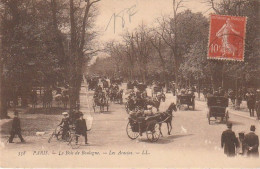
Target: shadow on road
[[166, 139], [236, 123]]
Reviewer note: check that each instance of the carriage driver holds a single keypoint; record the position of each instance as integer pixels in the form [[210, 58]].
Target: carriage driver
[[64, 124]]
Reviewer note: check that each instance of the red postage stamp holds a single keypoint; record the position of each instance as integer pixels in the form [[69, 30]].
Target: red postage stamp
[[227, 37]]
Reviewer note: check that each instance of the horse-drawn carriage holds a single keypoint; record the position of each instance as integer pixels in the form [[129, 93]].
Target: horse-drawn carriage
[[101, 100], [150, 125], [217, 108], [186, 99], [116, 95]]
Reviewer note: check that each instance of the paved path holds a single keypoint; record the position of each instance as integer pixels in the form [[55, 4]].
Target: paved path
[[192, 143]]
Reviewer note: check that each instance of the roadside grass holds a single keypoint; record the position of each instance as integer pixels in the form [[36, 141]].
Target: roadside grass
[[33, 121]]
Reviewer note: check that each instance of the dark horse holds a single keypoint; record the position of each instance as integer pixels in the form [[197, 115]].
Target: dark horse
[[156, 101], [166, 117]]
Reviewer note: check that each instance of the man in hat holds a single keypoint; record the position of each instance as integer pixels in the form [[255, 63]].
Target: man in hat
[[64, 124], [81, 128], [252, 143], [16, 128], [251, 102], [229, 141]]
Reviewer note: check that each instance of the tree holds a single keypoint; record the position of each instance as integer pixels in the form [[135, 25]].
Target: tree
[[78, 28], [248, 70], [34, 45]]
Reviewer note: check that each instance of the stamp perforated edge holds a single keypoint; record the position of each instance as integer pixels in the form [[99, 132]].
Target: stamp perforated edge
[[220, 58]]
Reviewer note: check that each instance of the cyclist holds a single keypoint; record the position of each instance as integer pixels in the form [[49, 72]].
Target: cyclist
[[64, 124]]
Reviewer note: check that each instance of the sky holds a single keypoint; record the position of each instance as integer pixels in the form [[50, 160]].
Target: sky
[[139, 11], [134, 13]]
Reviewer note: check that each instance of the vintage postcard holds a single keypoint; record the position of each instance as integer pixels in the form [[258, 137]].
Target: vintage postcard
[[129, 84]]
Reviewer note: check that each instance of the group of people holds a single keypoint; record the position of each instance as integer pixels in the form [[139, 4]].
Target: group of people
[[189, 91], [66, 124], [252, 97], [246, 144], [78, 121]]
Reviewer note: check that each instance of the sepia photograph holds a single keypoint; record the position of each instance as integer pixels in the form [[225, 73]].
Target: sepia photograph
[[129, 83]]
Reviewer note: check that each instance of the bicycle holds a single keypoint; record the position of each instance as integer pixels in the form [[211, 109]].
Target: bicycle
[[58, 134], [72, 141]]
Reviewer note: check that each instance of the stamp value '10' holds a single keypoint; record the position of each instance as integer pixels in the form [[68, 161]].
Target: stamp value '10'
[[227, 37]]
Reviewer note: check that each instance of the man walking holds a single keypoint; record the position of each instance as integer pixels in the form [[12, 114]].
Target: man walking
[[229, 141], [81, 128], [16, 128], [252, 143], [251, 101]]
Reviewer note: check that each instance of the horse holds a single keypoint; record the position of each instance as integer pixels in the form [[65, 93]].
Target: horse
[[166, 117], [156, 101], [101, 101], [113, 94], [119, 96]]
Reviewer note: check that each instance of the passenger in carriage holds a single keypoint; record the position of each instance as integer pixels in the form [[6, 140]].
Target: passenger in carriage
[[139, 101], [182, 92], [221, 91], [190, 92]]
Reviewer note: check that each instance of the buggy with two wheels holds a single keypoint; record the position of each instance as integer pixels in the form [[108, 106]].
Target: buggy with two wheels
[[101, 101], [217, 108], [186, 99], [149, 125]]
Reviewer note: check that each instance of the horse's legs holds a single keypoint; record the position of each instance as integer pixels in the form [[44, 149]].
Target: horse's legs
[[170, 124], [160, 125]]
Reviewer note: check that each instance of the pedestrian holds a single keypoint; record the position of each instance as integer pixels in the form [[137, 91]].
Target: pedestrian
[[16, 128], [252, 143], [229, 141], [251, 101], [221, 91], [81, 128]]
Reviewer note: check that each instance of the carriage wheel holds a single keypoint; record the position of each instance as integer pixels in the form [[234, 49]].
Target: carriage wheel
[[132, 135], [153, 131]]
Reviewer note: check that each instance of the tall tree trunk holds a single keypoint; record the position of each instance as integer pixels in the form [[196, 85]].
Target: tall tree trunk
[[61, 52], [72, 56], [3, 101]]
